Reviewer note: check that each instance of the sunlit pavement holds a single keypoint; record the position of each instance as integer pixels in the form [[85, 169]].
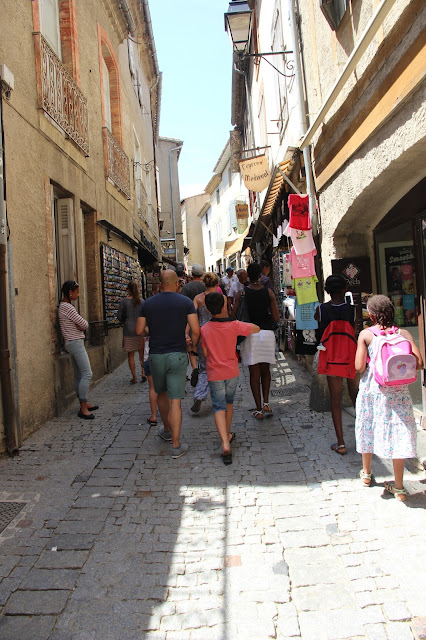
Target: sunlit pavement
[[116, 541]]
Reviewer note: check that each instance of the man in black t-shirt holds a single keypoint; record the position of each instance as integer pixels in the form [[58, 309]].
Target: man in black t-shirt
[[166, 316], [193, 288]]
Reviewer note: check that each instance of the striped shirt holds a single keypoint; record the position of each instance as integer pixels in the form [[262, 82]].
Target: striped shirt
[[71, 323]]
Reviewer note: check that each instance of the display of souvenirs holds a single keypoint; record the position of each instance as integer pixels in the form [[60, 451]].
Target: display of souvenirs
[[299, 211], [118, 269], [306, 343], [303, 265]]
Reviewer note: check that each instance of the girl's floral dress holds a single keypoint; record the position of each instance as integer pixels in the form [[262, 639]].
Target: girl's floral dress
[[385, 423]]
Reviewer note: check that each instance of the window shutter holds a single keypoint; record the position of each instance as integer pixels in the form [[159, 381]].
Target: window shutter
[[107, 95], [232, 216], [66, 245], [49, 24]]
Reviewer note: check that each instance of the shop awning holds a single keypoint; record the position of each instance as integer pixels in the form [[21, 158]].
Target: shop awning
[[276, 185], [235, 245]]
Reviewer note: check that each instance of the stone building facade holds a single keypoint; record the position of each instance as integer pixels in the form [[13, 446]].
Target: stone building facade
[[171, 223], [192, 230], [80, 134]]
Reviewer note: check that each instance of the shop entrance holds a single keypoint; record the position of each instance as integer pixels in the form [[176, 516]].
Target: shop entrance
[[400, 246]]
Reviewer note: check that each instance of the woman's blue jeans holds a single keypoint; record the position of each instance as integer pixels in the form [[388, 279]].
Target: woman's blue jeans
[[81, 365]]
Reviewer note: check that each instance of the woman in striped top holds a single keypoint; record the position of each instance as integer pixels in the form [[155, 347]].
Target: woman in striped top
[[72, 328]]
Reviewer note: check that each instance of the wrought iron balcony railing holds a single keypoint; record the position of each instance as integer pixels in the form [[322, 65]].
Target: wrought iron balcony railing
[[118, 168], [62, 98]]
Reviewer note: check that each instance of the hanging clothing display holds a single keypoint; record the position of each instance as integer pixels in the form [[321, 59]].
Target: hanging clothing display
[[305, 316], [306, 290], [302, 265], [302, 239], [299, 211]]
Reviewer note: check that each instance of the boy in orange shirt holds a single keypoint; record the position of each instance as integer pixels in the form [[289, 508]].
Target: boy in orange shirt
[[218, 342]]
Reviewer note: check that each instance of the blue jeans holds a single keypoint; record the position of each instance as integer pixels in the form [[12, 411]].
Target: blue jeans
[[202, 389], [81, 365], [222, 392]]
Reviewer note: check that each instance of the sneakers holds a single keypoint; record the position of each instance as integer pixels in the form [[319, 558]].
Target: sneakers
[[165, 435], [177, 452], [196, 406], [194, 377]]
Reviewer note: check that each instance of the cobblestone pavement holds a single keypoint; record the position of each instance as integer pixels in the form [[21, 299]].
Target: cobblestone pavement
[[116, 541]]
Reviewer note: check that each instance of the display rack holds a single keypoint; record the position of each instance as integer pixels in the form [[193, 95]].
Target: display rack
[[118, 269]]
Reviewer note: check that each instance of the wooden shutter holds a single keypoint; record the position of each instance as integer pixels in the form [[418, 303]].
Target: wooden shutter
[[67, 267]]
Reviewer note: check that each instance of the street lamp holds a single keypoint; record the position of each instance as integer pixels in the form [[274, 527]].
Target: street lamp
[[238, 22]]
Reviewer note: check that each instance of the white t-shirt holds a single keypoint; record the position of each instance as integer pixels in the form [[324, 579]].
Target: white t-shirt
[[235, 288], [302, 239], [228, 282]]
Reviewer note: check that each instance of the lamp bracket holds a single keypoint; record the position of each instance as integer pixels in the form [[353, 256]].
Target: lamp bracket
[[289, 64], [147, 167]]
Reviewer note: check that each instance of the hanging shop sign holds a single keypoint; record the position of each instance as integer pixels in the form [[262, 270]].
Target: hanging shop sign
[[241, 211], [357, 273], [256, 173]]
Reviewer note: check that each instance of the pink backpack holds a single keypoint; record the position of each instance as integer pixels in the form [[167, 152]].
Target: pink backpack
[[393, 361]]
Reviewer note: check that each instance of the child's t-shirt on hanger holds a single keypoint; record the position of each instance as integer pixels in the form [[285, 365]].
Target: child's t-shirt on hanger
[[302, 239], [299, 211], [302, 265], [306, 290]]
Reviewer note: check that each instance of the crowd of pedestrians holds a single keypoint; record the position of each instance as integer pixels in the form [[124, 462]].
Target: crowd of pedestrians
[[217, 323]]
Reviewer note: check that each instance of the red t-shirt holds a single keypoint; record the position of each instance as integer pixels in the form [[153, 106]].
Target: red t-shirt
[[219, 336]]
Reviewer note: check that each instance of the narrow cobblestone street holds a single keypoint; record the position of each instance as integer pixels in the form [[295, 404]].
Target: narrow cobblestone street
[[116, 541]]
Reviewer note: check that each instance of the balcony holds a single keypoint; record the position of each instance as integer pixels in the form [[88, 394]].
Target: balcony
[[62, 99], [118, 169]]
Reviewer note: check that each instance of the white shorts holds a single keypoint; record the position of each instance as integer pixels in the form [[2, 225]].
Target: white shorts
[[259, 347]]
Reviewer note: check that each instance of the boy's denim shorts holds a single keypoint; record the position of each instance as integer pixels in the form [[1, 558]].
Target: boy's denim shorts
[[222, 392]]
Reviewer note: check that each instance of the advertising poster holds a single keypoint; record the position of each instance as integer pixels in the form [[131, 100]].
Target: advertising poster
[[357, 273], [399, 280]]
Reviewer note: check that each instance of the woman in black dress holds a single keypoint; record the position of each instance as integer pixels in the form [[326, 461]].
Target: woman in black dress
[[258, 350]]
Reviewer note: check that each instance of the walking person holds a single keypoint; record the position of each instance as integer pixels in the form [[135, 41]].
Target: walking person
[[190, 290], [236, 287], [127, 314], [166, 315], [152, 420], [72, 328], [219, 338], [385, 423], [228, 280], [258, 351], [211, 282], [337, 309]]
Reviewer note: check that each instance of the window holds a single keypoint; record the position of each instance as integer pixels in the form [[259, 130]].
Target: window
[[262, 119], [333, 10], [280, 81], [65, 255], [111, 87], [217, 196], [56, 21], [106, 95], [49, 24], [210, 242], [138, 173]]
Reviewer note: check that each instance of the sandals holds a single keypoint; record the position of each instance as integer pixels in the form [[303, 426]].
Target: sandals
[[152, 423], [233, 436], [257, 414], [226, 458], [399, 494], [339, 448], [133, 381], [365, 477], [267, 411], [144, 379]]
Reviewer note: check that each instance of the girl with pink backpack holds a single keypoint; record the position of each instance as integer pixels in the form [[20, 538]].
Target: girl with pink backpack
[[385, 423]]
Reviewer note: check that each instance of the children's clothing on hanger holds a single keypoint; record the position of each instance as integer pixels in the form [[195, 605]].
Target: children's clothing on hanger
[[302, 265], [306, 290], [302, 239], [299, 211], [305, 316]]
